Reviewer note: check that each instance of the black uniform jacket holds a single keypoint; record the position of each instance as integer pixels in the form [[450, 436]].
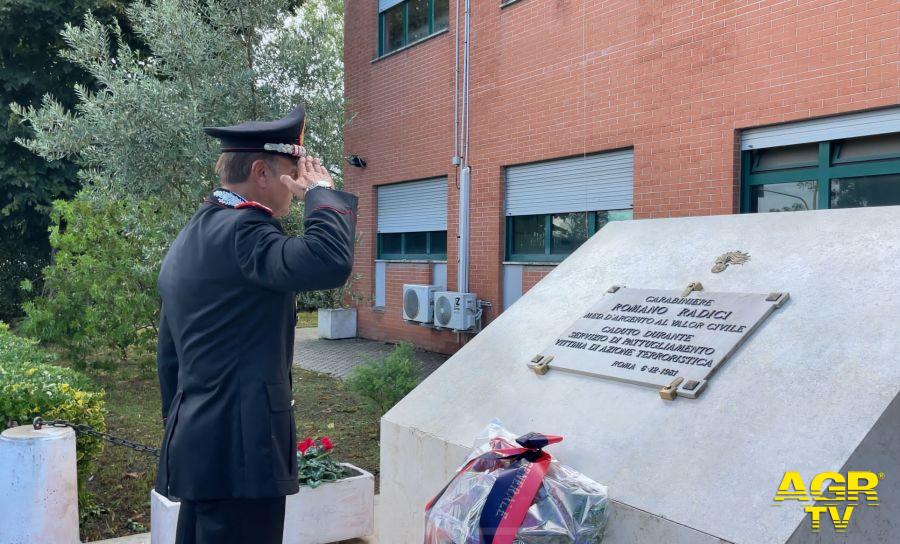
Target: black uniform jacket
[[226, 342]]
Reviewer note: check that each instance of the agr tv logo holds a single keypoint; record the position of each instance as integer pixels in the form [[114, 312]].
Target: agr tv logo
[[829, 490]]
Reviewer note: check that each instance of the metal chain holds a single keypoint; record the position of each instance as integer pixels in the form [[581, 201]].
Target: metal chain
[[88, 430]]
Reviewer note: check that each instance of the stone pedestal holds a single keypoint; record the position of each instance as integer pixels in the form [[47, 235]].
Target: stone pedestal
[[814, 389], [336, 323], [38, 486]]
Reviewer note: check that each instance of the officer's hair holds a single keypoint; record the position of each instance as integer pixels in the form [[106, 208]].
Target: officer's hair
[[234, 166]]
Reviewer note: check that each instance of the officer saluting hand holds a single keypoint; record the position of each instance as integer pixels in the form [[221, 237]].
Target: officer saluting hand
[[226, 334]]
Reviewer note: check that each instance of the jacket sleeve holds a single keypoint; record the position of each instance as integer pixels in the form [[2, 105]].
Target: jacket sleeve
[[320, 259], [166, 363]]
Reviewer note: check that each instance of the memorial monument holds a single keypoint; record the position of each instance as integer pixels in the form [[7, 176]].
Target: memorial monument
[[729, 378]]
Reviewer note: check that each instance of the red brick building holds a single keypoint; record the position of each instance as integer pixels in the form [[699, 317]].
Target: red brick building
[[585, 111]]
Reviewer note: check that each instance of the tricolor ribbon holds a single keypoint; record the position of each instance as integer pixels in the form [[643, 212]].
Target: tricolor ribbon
[[514, 490]]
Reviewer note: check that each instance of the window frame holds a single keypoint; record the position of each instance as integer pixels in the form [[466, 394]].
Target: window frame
[[547, 256], [406, 42], [823, 172], [404, 256]]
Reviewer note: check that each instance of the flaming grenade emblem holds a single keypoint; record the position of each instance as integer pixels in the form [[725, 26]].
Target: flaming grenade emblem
[[726, 259]]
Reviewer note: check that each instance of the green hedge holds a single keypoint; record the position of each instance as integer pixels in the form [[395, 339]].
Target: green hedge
[[30, 386]]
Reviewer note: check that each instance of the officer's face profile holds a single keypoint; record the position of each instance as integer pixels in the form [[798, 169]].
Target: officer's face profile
[[269, 190]]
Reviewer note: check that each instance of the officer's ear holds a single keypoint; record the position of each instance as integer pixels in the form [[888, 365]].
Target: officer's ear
[[258, 172]]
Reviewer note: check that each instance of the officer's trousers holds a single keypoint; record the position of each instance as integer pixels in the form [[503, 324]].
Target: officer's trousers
[[231, 521]]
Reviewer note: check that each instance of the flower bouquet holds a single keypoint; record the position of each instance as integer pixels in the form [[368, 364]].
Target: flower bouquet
[[509, 491], [314, 463]]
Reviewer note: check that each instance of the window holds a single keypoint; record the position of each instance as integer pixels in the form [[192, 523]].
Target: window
[[418, 14], [567, 232], [392, 29], [865, 191], [408, 21], [528, 234], [781, 158], [883, 146], [551, 237], [412, 220], [430, 245], [784, 197], [437, 244], [390, 243], [846, 173]]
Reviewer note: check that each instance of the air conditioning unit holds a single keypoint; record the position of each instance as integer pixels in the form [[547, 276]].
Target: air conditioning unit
[[418, 303], [454, 310]]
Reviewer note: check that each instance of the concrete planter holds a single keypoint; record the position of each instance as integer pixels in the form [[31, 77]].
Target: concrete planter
[[332, 512], [337, 323]]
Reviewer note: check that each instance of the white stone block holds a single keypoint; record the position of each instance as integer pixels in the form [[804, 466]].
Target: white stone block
[[38, 486], [337, 323], [812, 390], [163, 519], [332, 512]]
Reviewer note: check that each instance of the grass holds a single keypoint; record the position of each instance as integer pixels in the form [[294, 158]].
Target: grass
[[307, 319], [325, 407], [122, 478]]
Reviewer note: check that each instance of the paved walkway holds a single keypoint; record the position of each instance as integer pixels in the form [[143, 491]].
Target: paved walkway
[[338, 357]]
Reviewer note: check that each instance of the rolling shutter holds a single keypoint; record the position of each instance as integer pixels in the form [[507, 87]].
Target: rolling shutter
[[867, 123], [414, 206], [603, 181], [384, 5]]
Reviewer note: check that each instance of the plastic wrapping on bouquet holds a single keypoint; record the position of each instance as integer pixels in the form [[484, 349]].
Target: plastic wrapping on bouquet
[[509, 491]]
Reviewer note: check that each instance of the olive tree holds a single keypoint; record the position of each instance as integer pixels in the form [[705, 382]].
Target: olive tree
[[142, 157]]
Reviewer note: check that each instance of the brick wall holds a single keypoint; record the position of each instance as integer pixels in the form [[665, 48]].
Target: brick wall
[[533, 274], [401, 122], [387, 324], [675, 80]]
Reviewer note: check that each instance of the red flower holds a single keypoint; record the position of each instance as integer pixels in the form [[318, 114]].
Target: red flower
[[305, 445], [327, 444]]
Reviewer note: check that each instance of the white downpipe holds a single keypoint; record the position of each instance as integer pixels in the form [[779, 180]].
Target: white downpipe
[[456, 159], [465, 171], [463, 278], [466, 65]]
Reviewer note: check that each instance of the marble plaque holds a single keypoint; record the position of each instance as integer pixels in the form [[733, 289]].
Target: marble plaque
[[652, 337]]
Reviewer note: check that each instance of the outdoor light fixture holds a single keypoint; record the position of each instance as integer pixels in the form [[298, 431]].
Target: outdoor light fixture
[[357, 161]]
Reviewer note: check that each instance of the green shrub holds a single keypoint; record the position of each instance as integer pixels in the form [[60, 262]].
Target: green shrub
[[99, 292], [30, 386], [386, 380]]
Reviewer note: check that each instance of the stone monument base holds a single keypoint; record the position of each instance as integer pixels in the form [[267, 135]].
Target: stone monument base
[[813, 389]]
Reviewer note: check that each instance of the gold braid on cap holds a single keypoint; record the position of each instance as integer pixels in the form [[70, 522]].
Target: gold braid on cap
[[290, 149]]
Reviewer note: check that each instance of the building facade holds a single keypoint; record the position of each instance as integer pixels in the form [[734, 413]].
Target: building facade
[[582, 112]]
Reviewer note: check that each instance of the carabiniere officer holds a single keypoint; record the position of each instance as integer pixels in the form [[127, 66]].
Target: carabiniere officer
[[226, 333]]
